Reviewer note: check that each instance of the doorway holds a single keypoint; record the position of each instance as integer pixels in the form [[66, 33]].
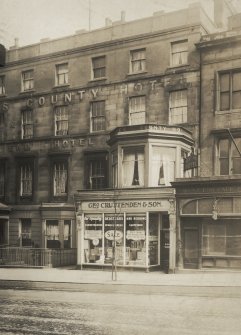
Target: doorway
[[191, 248]]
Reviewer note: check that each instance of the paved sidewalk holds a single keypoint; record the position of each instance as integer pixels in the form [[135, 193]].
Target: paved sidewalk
[[201, 279]]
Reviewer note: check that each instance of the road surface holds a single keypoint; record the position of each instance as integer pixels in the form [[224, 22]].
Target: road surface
[[37, 312]]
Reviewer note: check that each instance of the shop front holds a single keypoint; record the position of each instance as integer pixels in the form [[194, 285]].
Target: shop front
[[133, 233], [209, 224]]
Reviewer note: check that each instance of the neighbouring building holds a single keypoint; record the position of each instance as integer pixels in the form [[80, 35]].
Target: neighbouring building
[[94, 128], [209, 219]]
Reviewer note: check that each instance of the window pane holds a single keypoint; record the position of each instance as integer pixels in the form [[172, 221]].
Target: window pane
[[236, 81], [236, 102], [214, 239], [224, 82], [233, 239], [133, 167], [224, 101], [114, 226], [93, 248], [52, 234]]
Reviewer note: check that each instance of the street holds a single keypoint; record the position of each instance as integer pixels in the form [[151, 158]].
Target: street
[[66, 313]]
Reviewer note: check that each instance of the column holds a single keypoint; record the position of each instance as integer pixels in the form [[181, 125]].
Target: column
[[172, 231]]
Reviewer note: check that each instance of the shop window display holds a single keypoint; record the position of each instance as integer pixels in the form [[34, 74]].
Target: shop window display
[[114, 235], [136, 239], [93, 239]]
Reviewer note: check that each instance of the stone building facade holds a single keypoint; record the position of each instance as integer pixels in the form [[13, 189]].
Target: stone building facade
[[94, 127]]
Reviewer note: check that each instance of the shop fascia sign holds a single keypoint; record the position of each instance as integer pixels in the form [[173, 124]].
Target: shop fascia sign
[[105, 206]]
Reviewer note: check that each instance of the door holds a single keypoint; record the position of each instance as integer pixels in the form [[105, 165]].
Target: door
[[165, 243], [191, 248]]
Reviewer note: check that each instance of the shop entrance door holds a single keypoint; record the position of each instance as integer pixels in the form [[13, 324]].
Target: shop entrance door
[[191, 248], [165, 243], [3, 235]]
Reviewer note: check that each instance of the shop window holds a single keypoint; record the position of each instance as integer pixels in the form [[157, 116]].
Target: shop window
[[229, 157], [27, 80], [27, 123], [222, 239], [163, 166], [96, 171], [179, 52], [2, 126], [99, 67], [2, 178], [52, 234], [229, 90], [137, 110], [25, 233], [93, 248], [114, 239], [61, 120], [133, 167], [60, 177], [67, 234], [62, 74], [26, 178], [178, 107], [97, 115], [136, 239], [2, 85], [138, 61]]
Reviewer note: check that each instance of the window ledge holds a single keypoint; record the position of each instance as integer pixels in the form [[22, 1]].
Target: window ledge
[[228, 111], [59, 86], [177, 66], [3, 95], [98, 79], [27, 91], [136, 73]]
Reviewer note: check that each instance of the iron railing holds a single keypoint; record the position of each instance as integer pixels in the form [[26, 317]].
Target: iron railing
[[36, 257]]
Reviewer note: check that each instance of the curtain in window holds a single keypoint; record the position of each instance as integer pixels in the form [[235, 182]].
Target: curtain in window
[[61, 120], [26, 179], [138, 60], [163, 166], [179, 53], [66, 231], [60, 179], [62, 74], [137, 110], [133, 168], [52, 231]]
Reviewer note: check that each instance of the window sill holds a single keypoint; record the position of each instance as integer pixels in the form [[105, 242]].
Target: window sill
[[27, 91], [228, 111], [61, 86], [136, 73], [177, 66], [3, 95], [98, 79]]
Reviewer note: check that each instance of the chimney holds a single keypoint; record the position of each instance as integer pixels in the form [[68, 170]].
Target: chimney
[[108, 22], [222, 10], [16, 42], [123, 16]]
